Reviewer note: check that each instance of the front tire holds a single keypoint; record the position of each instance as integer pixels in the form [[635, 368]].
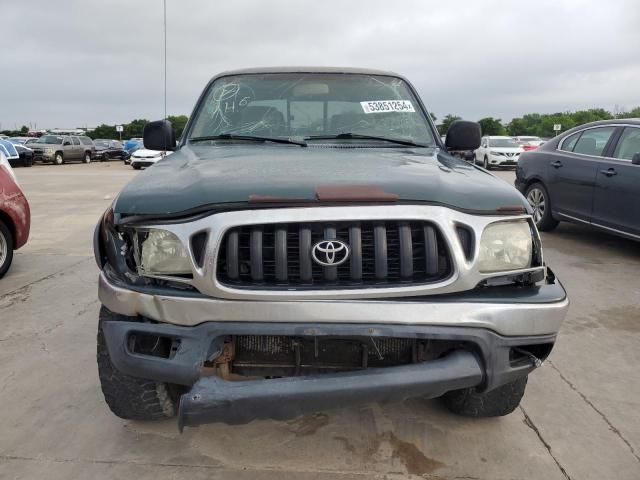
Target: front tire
[[6, 248], [485, 163], [58, 159], [496, 403], [87, 157], [538, 198], [105, 157], [128, 397]]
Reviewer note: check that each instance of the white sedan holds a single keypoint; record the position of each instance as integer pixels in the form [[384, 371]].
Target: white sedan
[[498, 151], [143, 158]]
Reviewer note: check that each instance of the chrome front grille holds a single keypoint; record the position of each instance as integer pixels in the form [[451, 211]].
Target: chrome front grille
[[382, 253]]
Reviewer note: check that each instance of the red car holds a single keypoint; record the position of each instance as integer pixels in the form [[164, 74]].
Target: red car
[[15, 216]]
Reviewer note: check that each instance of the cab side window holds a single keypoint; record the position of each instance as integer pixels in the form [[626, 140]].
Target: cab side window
[[570, 142], [628, 145], [75, 140], [593, 141]]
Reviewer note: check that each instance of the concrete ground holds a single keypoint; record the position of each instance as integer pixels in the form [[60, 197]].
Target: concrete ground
[[580, 418]]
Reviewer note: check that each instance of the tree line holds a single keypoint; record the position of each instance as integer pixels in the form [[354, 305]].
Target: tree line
[[133, 129], [540, 125]]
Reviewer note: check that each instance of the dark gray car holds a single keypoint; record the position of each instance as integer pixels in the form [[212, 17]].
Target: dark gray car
[[589, 175]]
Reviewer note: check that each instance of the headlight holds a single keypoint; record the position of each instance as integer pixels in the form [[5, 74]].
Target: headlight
[[162, 253], [48, 150], [495, 153], [505, 246]]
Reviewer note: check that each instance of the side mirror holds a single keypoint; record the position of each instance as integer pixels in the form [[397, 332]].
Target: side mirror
[[463, 135], [159, 135], [635, 160]]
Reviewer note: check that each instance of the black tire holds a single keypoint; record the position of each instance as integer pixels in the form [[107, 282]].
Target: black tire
[[129, 397], [485, 163], [58, 159], [538, 198], [28, 162], [496, 403], [136, 167], [6, 246], [105, 157], [87, 157]]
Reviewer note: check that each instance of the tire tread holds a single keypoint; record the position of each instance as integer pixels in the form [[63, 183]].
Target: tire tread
[[128, 397]]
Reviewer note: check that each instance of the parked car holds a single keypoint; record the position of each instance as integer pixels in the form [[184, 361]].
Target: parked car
[[59, 149], [18, 140], [15, 216], [108, 149], [498, 151], [132, 144], [30, 140], [339, 256], [529, 142], [9, 150], [589, 175], [25, 157], [143, 157]]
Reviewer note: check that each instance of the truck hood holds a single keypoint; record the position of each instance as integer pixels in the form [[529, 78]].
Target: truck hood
[[198, 177]]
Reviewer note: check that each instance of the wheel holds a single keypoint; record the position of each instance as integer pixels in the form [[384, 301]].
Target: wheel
[[538, 198], [58, 159], [485, 163], [496, 403], [28, 162], [87, 157], [136, 167], [129, 397], [6, 248], [105, 157]]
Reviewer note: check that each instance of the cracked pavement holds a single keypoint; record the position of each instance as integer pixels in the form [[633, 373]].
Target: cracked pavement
[[579, 418]]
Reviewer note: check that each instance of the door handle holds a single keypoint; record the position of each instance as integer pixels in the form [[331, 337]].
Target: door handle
[[556, 164], [609, 172]]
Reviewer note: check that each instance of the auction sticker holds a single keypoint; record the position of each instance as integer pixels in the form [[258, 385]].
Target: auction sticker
[[378, 106]]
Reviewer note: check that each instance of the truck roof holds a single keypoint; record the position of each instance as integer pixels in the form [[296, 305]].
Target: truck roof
[[259, 70]]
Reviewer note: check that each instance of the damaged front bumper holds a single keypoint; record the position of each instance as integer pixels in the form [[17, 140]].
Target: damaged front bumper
[[215, 400], [492, 336]]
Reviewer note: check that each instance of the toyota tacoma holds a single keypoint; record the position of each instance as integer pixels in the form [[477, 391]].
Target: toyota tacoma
[[312, 243]]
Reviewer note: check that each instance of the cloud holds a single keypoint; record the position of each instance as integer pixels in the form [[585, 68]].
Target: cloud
[[78, 63]]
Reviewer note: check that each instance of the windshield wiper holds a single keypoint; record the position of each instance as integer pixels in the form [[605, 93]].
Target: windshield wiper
[[358, 136], [254, 138]]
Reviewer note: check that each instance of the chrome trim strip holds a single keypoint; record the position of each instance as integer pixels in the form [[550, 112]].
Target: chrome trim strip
[[465, 275], [508, 319], [621, 232]]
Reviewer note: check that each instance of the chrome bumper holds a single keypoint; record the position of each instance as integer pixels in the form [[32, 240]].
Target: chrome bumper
[[540, 312]]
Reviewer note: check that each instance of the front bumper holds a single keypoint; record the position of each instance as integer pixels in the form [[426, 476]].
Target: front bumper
[[508, 311], [486, 363], [142, 163], [503, 161]]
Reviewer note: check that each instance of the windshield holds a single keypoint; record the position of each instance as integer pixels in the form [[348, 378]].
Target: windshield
[[503, 142], [51, 139], [303, 105], [101, 143]]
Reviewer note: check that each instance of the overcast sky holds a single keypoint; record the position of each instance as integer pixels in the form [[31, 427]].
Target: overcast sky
[[83, 62]]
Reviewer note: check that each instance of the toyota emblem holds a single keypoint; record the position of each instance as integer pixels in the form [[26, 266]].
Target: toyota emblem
[[330, 253]]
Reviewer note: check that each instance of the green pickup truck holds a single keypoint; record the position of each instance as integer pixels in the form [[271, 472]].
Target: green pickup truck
[[312, 243]]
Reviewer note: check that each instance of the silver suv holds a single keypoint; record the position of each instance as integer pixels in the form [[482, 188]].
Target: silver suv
[[58, 149]]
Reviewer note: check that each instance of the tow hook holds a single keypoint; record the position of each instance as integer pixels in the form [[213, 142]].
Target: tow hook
[[537, 363]]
